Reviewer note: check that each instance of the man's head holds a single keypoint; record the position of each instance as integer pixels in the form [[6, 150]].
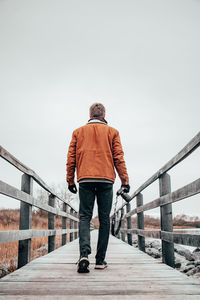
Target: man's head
[[97, 110]]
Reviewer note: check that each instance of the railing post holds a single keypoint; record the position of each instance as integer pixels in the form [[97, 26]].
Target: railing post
[[166, 220], [122, 226], [75, 226], [64, 219], [68, 222], [71, 226], [24, 250], [128, 219], [118, 235], [51, 224], [78, 224], [140, 222]]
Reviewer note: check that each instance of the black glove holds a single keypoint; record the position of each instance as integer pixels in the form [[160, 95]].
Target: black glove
[[125, 187], [72, 188]]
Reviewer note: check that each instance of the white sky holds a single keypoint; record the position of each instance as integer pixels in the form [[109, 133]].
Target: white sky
[[139, 58]]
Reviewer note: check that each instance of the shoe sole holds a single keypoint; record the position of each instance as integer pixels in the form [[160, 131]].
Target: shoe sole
[[100, 267], [83, 266]]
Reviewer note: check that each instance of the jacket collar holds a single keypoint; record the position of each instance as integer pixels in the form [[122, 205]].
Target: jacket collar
[[97, 121]]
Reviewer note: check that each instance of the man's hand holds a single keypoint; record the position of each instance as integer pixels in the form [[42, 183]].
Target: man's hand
[[125, 187], [72, 188]]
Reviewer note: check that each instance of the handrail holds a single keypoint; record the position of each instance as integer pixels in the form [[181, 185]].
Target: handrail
[[188, 190], [164, 201], [13, 192], [186, 151], [26, 170], [25, 232], [19, 235]]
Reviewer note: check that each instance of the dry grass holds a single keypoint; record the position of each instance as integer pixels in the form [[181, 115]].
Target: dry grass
[[9, 220]]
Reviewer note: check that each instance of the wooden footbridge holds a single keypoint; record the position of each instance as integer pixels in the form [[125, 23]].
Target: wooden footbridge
[[131, 273]]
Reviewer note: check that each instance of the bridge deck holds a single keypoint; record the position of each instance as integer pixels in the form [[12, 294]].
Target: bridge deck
[[131, 275]]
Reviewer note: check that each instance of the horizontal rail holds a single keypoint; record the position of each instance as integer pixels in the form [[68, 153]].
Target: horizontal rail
[[187, 150], [13, 192], [147, 233], [188, 190], [177, 238], [16, 235], [23, 168], [181, 238]]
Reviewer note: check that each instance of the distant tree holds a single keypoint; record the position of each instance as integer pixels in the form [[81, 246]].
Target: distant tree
[[61, 190]]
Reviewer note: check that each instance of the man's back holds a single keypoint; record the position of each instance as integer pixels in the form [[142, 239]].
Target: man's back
[[97, 150]]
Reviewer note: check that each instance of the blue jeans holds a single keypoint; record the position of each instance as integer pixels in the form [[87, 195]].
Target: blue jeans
[[104, 194]]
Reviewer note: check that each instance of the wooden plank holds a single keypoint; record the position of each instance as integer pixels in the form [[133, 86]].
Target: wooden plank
[[16, 235], [178, 238], [122, 225], [71, 224], [51, 224], [23, 168], [103, 297], [24, 248], [182, 238], [146, 233], [187, 150], [128, 221], [76, 226], [117, 223], [187, 191], [140, 222], [103, 287], [131, 273], [66, 273], [166, 221], [64, 225], [149, 233], [15, 162], [13, 192], [98, 288]]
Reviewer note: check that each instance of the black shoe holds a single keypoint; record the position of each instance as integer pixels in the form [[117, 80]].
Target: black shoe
[[101, 265], [83, 265]]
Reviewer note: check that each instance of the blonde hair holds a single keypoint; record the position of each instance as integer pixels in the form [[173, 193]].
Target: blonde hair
[[97, 110]]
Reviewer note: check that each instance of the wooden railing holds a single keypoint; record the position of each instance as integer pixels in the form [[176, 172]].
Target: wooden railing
[[165, 200], [27, 201]]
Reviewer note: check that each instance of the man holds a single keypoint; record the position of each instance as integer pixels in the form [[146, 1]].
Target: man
[[95, 150]]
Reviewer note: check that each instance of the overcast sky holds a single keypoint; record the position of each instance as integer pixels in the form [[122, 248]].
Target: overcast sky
[[139, 58]]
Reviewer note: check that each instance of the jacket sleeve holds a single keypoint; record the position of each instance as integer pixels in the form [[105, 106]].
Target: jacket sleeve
[[71, 160], [118, 158]]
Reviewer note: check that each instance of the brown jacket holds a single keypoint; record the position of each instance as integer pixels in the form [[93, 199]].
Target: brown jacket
[[94, 151]]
